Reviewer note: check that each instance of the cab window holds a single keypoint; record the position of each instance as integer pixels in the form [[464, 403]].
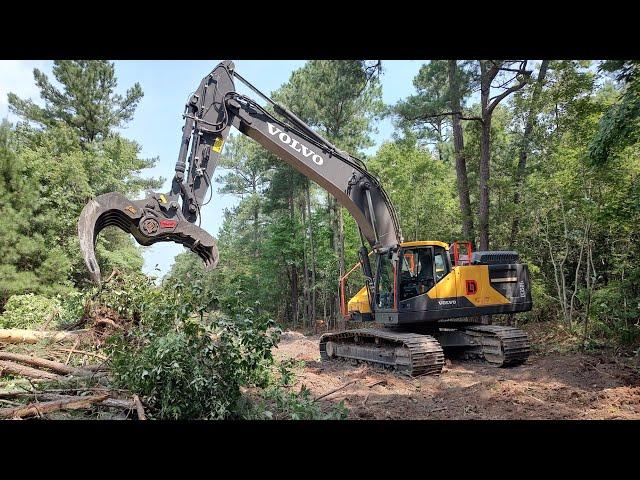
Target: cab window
[[421, 269], [441, 265], [384, 294], [416, 276]]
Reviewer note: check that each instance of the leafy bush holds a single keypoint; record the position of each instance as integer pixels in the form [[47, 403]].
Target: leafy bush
[[279, 404], [185, 366], [30, 311], [614, 314], [189, 362], [195, 372]]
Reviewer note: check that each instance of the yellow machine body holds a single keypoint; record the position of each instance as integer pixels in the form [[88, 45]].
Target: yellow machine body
[[466, 290]]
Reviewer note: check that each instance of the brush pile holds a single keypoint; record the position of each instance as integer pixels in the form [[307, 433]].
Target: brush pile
[[63, 374]]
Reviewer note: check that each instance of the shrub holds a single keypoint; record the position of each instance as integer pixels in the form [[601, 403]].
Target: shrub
[[614, 314], [185, 365], [188, 362], [31, 311]]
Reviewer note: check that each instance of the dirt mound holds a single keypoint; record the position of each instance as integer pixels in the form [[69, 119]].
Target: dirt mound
[[290, 335], [554, 386]]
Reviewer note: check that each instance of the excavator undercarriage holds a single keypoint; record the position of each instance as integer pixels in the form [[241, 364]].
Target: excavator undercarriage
[[430, 296], [417, 354]]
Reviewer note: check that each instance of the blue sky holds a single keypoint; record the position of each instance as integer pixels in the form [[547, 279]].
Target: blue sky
[[158, 120]]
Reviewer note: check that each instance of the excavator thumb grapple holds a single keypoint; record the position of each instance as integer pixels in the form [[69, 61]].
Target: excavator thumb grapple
[[149, 221]]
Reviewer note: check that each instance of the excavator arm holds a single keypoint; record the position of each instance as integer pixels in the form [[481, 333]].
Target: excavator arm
[[209, 115]]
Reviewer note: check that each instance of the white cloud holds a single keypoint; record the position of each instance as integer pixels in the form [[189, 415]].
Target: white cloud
[[17, 76]]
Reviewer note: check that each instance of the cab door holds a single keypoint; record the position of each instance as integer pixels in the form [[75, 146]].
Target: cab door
[[445, 278]]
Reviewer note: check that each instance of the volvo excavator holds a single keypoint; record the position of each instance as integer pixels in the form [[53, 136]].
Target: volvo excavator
[[424, 297]]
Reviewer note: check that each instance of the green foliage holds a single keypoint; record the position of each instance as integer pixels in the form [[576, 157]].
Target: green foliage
[[87, 102], [31, 311], [426, 114], [185, 365], [428, 210], [340, 98], [48, 173], [615, 315], [282, 404], [619, 127]]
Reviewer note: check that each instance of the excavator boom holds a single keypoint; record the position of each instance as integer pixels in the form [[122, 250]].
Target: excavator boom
[[209, 115]]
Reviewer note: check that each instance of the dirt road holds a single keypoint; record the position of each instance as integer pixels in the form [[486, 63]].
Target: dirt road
[[553, 386]]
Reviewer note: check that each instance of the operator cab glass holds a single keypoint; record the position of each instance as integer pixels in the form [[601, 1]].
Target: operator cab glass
[[422, 268], [385, 284]]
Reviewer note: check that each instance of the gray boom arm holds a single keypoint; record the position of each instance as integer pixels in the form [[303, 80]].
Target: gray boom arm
[[337, 172], [209, 115]]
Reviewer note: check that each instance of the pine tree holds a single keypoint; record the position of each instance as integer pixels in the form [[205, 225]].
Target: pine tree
[[87, 101]]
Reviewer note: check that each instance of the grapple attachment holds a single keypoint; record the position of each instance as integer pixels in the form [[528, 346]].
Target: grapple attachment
[[149, 221]]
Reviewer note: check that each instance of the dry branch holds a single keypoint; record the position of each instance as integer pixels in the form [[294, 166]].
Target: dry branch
[[75, 345], [335, 390], [82, 352], [379, 382], [122, 403], [38, 409], [437, 409], [57, 367], [139, 408], [24, 371], [15, 335]]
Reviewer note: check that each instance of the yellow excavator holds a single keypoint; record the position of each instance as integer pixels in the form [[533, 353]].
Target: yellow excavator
[[428, 297]]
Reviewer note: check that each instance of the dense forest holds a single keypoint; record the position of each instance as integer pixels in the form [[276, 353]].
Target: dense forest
[[541, 157]]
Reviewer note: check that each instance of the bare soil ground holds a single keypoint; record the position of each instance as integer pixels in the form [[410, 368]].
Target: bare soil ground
[[547, 386]]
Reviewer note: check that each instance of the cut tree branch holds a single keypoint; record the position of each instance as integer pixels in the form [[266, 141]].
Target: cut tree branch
[[57, 367], [37, 409], [15, 335], [17, 369]]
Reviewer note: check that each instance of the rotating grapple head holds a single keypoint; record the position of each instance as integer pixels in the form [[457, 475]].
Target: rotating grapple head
[[149, 221]]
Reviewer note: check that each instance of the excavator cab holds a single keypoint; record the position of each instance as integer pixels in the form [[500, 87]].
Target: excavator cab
[[421, 268], [428, 281]]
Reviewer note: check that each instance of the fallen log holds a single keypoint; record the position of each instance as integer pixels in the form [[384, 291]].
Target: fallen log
[[122, 403], [16, 335], [57, 367], [139, 408], [38, 409], [24, 371]]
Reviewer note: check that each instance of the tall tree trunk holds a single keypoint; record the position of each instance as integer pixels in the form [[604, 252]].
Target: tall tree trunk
[[294, 272], [524, 148], [307, 300], [483, 204], [337, 224], [313, 257], [485, 158], [333, 240], [340, 251], [458, 145], [488, 71]]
